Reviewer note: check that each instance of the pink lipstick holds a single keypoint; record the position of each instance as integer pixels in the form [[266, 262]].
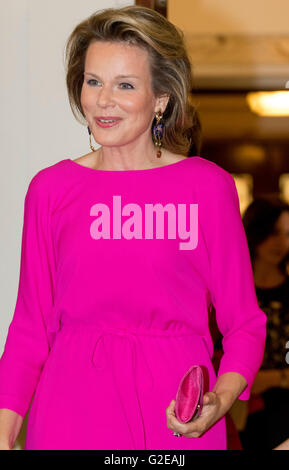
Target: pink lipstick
[[107, 121]]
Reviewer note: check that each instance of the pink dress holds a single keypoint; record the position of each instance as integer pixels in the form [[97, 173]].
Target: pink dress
[[118, 272]]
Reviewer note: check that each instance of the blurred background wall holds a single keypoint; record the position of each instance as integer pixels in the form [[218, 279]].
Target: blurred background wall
[[221, 16], [237, 48]]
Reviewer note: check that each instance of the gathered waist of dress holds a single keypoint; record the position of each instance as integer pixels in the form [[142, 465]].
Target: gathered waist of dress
[[138, 331]]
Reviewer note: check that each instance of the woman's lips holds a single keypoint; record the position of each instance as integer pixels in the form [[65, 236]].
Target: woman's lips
[[107, 121]]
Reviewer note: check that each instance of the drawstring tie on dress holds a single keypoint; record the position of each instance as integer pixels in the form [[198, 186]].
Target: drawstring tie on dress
[[102, 357]]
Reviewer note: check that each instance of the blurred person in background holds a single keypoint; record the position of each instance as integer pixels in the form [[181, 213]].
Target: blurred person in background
[[266, 223]]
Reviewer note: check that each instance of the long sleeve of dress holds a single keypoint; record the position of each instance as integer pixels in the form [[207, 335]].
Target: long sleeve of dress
[[239, 318], [27, 344]]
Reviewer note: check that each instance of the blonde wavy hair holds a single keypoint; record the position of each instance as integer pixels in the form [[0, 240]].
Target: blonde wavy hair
[[169, 65]]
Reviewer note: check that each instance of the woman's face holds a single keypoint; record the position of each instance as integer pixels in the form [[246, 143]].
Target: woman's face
[[117, 87], [276, 245]]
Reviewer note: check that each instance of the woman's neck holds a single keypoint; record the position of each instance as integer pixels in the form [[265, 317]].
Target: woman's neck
[[133, 156]]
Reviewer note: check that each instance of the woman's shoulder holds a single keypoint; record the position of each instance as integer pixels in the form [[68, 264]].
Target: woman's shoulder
[[211, 179], [46, 181], [208, 167], [48, 173], [87, 160]]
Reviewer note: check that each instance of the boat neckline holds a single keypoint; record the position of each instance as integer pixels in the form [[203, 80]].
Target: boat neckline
[[94, 170]]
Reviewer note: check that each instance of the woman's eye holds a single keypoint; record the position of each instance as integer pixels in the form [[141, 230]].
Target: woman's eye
[[89, 82], [126, 86], [94, 82]]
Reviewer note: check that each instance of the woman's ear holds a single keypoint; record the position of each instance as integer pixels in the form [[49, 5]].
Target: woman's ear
[[162, 102]]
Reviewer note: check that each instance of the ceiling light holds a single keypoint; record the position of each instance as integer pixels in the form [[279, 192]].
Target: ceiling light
[[269, 103]]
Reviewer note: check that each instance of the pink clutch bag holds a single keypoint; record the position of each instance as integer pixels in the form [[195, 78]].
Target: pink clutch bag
[[189, 399]]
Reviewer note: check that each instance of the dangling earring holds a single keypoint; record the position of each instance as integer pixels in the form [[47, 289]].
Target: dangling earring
[[158, 131], [91, 146]]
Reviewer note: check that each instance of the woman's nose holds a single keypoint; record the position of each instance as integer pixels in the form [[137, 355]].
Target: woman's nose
[[104, 96]]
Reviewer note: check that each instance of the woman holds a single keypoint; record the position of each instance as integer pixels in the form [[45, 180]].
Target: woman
[[266, 223], [113, 302]]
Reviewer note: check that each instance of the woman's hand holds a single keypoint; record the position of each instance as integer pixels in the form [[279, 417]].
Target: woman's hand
[[211, 412], [4, 446], [283, 446], [215, 405]]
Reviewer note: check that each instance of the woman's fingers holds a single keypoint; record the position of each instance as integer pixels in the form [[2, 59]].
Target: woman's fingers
[[198, 426], [191, 429], [209, 398], [172, 421]]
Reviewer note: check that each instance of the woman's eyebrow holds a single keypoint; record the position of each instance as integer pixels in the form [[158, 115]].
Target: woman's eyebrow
[[128, 76], [118, 76]]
